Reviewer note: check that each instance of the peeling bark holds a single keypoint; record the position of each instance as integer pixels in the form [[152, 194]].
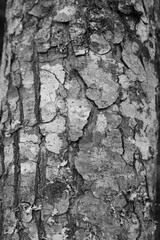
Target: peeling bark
[[78, 143]]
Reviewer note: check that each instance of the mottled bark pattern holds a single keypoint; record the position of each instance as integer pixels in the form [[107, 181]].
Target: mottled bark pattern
[[78, 121], [157, 67]]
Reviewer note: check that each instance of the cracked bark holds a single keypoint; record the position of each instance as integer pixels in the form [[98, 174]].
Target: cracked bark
[[78, 130]]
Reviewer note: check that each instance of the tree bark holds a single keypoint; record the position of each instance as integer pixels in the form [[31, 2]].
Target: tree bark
[[78, 122]]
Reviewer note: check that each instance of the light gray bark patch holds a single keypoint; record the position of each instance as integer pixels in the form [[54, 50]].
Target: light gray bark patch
[[96, 77], [65, 14], [41, 8]]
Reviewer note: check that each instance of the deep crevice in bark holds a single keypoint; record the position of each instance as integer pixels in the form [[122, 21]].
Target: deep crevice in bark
[[39, 192], [37, 85], [17, 172]]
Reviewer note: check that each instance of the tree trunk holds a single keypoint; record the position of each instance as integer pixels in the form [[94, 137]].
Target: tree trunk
[[78, 142]]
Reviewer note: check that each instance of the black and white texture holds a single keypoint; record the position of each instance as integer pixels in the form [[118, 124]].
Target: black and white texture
[[78, 140]]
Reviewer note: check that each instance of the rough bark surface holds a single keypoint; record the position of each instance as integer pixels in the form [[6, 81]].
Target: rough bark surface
[[78, 124]]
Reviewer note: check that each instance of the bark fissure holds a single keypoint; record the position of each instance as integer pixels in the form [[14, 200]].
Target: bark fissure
[[17, 175], [37, 84]]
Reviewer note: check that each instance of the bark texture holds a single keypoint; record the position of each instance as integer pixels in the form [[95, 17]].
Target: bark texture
[[78, 124]]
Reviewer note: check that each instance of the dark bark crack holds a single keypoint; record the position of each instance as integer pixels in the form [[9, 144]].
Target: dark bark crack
[[39, 191], [17, 173], [37, 84]]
